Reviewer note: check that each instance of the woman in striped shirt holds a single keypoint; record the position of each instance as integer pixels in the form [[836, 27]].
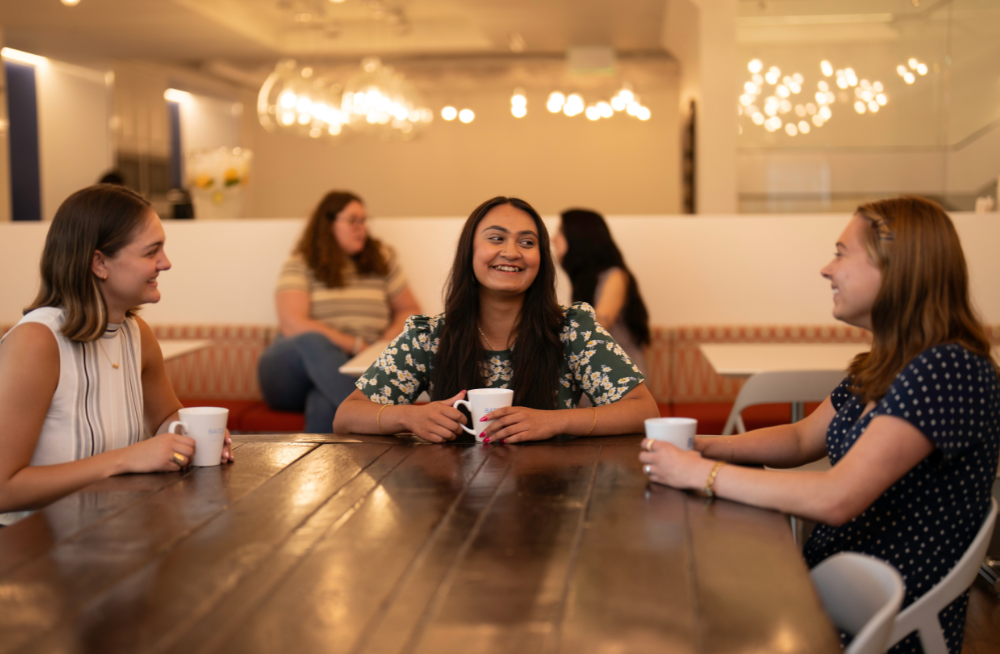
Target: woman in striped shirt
[[340, 291]]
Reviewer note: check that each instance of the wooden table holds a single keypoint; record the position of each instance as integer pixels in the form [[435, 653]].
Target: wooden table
[[174, 348], [746, 359], [363, 359], [346, 544]]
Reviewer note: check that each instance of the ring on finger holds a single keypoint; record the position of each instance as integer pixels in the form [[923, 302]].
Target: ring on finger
[[180, 459], [648, 469], [648, 445]]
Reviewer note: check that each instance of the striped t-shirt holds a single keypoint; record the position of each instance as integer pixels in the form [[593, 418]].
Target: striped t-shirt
[[96, 407], [360, 307]]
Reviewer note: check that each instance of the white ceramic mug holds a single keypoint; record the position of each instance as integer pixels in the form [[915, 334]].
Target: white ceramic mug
[[207, 426], [482, 401], [679, 432]]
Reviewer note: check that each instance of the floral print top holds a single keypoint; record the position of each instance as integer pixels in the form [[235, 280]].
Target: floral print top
[[593, 363]]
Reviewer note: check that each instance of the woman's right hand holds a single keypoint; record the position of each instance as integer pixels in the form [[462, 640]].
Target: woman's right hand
[[157, 454], [437, 422]]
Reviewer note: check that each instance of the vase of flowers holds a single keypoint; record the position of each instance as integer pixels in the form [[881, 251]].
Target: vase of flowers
[[217, 180]]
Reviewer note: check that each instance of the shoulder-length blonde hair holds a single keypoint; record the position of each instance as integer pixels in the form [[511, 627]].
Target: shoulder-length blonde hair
[[102, 218], [319, 247], [923, 300]]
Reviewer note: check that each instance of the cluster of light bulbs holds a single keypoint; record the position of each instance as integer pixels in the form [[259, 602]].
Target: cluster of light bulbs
[[296, 99], [869, 97], [779, 103], [571, 105], [450, 113], [907, 73]]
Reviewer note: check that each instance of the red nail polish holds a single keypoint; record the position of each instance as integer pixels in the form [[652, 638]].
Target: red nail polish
[[486, 440], [483, 419]]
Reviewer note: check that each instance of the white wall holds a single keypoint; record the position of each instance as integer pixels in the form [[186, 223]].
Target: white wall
[[711, 270], [73, 131], [208, 122]]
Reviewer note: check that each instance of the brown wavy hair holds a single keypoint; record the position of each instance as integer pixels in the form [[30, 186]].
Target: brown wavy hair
[[923, 300], [319, 247], [104, 218], [537, 354]]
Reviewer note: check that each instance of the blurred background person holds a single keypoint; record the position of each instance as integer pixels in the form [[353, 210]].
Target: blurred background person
[[597, 271], [340, 291]]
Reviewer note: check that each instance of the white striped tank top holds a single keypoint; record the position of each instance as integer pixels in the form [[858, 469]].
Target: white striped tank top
[[96, 407]]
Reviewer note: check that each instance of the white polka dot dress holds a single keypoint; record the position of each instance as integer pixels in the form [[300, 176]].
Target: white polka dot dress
[[925, 521]]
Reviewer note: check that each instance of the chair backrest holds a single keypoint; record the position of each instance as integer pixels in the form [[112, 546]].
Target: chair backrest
[[783, 386], [922, 615], [862, 595]]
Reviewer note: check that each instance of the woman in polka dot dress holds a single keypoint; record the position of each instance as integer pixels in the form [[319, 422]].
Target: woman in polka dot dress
[[912, 432]]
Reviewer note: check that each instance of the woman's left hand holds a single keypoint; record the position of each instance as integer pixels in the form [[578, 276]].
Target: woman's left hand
[[227, 449], [668, 465], [516, 424]]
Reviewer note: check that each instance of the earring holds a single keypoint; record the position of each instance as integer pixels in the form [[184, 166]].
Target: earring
[[104, 279]]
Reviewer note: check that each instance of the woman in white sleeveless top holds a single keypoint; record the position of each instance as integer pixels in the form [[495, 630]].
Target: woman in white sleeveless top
[[82, 380]]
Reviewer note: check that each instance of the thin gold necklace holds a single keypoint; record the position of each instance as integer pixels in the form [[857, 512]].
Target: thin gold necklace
[[101, 345], [493, 349], [484, 338]]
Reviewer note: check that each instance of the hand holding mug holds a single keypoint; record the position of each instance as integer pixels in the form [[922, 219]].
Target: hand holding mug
[[437, 422], [207, 426]]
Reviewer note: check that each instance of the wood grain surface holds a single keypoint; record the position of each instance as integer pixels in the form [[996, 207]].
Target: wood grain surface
[[355, 544]]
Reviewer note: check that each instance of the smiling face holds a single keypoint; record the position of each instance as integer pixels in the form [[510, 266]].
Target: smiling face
[[855, 278], [350, 228], [505, 255], [131, 273]]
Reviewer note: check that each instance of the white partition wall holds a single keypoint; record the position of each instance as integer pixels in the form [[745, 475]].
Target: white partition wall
[[706, 270]]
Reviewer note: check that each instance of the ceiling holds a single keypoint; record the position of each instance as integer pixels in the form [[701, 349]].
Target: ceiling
[[188, 31]]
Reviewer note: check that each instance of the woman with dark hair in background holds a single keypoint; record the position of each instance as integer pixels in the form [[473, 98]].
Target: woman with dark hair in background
[[600, 277], [502, 328], [81, 376], [913, 432], [340, 291]]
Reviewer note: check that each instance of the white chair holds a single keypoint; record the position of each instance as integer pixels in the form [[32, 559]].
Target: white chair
[[990, 568], [862, 595], [922, 615], [796, 387]]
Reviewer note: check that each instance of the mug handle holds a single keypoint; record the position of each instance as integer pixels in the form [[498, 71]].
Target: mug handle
[[469, 407], [177, 423]]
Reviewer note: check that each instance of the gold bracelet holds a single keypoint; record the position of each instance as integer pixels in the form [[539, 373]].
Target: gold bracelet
[[711, 478], [732, 450], [378, 419], [593, 424]]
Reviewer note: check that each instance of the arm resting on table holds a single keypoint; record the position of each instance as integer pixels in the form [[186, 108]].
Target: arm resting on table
[[888, 449], [783, 446]]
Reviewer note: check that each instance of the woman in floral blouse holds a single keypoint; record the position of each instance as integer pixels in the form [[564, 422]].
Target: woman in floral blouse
[[502, 328]]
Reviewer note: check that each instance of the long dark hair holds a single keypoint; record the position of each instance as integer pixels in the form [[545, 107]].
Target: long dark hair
[[923, 300], [537, 353], [590, 251], [102, 218], [319, 247]]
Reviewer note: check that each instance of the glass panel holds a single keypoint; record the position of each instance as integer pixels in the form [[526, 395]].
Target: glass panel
[[860, 99]]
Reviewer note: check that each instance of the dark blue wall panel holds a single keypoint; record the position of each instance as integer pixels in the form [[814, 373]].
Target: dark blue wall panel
[[176, 158], [22, 110]]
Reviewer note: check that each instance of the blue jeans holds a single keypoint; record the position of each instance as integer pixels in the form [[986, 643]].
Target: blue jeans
[[300, 374]]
